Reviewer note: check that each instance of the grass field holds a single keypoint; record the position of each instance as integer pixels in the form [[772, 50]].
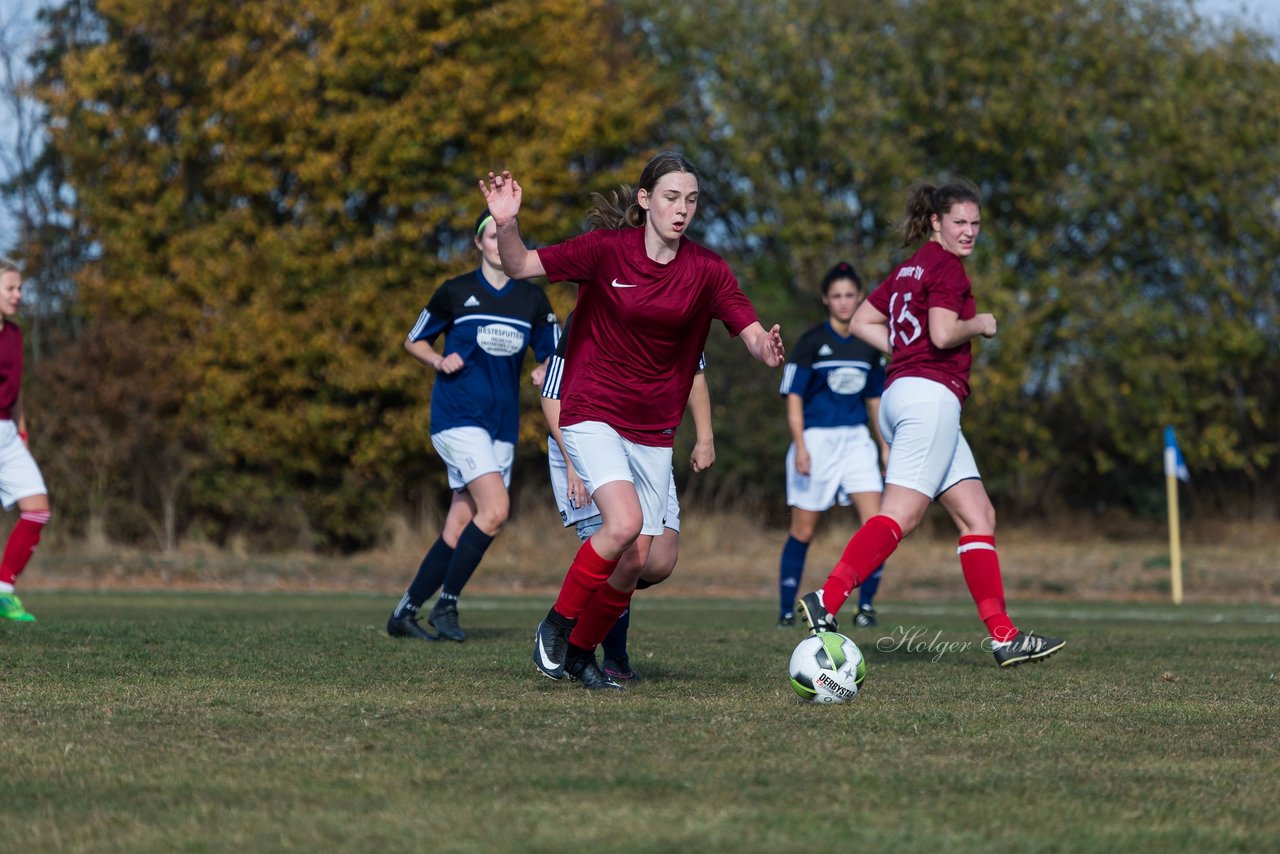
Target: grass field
[[144, 722]]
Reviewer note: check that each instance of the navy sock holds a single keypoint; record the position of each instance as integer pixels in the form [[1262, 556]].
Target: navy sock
[[790, 570], [615, 643], [472, 543], [867, 591], [431, 573]]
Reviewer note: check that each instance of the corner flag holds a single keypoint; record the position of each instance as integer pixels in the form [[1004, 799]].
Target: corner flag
[[1175, 469], [1174, 464]]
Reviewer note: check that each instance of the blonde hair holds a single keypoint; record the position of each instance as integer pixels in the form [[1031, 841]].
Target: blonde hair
[[8, 265]]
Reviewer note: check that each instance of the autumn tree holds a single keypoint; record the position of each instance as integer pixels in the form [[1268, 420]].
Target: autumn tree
[[1127, 155], [278, 187]]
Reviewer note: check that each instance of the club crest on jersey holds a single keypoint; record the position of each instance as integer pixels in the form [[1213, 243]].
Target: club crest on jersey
[[847, 380], [471, 302], [498, 339]]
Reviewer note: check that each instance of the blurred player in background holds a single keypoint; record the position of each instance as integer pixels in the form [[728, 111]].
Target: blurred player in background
[[832, 384], [489, 320], [577, 509], [925, 317], [20, 479], [646, 298]]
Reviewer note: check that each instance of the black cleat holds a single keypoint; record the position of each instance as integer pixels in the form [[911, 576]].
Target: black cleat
[[551, 645], [407, 627], [1024, 647], [444, 619], [866, 616], [786, 621], [813, 612], [619, 669], [583, 669]]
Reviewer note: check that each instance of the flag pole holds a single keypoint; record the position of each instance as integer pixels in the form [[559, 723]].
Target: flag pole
[[1173, 467], [1175, 539]]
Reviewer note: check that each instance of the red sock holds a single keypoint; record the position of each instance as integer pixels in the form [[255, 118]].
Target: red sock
[[981, 566], [601, 613], [22, 542], [870, 546], [587, 572]]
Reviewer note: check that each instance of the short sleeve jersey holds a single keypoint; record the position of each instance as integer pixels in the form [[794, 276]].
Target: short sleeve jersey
[[834, 375], [10, 367], [639, 329], [551, 390], [931, 277], [491, 329]]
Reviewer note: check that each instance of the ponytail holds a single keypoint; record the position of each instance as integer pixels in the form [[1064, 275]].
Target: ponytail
[[927, 201], [618, 209]]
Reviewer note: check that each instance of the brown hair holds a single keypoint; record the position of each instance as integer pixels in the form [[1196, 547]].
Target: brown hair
[[619, 209], [927, 201]]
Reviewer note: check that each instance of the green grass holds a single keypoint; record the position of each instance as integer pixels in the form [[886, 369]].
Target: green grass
[[147, 722]]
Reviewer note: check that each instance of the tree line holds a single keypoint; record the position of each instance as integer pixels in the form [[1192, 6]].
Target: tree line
[[232, 215]]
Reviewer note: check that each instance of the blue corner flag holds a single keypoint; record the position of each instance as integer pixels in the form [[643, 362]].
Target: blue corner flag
[[1174, 464]]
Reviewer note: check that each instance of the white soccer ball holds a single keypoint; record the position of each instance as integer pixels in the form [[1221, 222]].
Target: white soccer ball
[[827, 668]]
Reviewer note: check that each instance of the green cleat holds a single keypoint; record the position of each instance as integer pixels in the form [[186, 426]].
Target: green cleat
[[11, 609]]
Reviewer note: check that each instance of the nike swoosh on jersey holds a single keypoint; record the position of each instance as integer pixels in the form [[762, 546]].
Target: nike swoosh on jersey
[[618, 284]]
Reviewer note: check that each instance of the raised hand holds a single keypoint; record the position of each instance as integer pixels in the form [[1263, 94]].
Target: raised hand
[[503, 195]]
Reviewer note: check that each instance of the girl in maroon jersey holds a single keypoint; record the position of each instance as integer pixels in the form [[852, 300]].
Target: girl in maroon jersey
[[646, 298], [924, 316], [20, 480]]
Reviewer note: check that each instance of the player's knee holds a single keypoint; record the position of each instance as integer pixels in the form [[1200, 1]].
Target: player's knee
[[659, 566], [491, 517]]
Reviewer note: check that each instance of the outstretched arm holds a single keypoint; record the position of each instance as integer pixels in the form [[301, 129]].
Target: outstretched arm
[[503, 195], [765, 346]]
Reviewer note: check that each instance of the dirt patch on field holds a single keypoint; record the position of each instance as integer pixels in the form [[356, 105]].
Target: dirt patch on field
[[730, 556]]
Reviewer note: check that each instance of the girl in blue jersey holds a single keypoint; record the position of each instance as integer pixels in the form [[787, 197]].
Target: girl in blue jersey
[[489, 321], [832, 384]]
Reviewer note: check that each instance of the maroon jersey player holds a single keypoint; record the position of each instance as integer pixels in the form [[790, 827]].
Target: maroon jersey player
[[20, 479], [646, 299], [924, 315]]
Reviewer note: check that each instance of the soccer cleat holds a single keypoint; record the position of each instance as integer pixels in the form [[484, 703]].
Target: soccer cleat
[[1024, 647], [619, 669], [407, 627], [786, 621], [550, 646], [444, 619], [813, 612], [866, 616], [583, 669], [11, 609]]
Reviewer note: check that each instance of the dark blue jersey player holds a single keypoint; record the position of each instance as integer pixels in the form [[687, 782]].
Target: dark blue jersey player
[[832, 384], [488, 321]]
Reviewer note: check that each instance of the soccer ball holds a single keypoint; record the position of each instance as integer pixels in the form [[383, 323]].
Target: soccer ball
[[827, 668]]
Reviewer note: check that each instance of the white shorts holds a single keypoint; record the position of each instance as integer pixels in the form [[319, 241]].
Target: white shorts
[[587, 517], [602, 456], [569, 514], [920, 419], [19, 475], [469, 452], [843, 461]]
